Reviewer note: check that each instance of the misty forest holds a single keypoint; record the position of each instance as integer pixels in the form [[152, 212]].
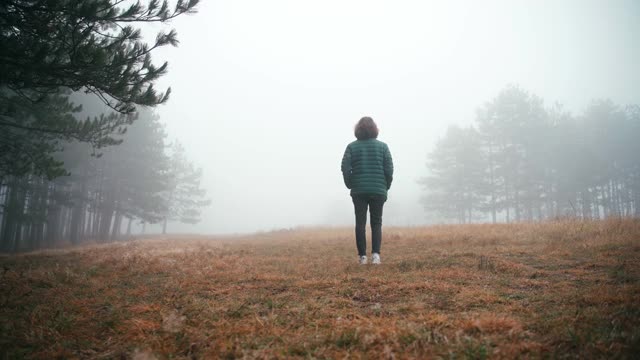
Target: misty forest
[[522, 162], [69, 179], [212, 221]]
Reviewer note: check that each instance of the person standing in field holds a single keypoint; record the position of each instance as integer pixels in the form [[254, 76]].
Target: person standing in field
[[367, 169]]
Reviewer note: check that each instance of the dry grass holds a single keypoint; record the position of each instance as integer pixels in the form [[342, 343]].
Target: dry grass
[[559, 289]]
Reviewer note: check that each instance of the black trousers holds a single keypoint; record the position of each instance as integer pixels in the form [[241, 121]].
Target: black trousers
[[375, 203]]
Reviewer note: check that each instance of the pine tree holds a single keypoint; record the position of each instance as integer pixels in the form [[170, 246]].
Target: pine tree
[[134, 175], [512, 126], [456, 182], [185, 197], [89, 45], [50, 48], [539, 163]]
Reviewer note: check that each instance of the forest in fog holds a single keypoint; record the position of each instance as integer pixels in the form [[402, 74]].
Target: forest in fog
[[85, 194], [520, 161], [82, 153], [95, 147]]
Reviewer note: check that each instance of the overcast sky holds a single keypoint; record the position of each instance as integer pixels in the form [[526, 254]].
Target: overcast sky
[[266, 93]]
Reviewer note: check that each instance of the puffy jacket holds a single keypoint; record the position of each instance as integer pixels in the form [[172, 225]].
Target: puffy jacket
[[367, 167]]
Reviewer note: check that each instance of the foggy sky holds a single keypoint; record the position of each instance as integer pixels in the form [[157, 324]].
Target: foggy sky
[[266, 93]]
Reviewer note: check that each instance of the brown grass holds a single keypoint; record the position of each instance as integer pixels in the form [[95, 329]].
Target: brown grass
[[557, 289]]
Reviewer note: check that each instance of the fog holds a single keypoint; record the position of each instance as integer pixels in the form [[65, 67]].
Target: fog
[[266, 93]]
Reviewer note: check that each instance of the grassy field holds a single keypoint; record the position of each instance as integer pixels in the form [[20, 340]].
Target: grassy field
[[553, 290]]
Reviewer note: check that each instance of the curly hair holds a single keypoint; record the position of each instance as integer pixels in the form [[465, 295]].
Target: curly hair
[[366, 128]]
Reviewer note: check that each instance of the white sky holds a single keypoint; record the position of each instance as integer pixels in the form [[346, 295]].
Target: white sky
[[266, 93]]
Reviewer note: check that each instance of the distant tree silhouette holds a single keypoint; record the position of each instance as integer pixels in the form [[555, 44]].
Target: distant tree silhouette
[[456, 182], [102, 196], [511, 126], [538, 163], [184, 196]]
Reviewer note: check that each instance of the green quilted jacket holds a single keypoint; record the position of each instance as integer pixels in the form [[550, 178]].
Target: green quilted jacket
[[367, 167]]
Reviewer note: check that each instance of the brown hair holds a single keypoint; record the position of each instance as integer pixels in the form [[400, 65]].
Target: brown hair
[[366, 128]]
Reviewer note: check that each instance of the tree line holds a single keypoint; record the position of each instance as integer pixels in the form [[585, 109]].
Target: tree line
[[68, 178], [144, 179], [522, 161]]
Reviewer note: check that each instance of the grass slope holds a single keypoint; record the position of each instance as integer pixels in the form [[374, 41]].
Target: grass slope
[[558, 289]]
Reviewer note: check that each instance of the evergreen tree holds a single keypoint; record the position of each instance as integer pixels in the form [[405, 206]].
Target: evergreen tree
[[185, 197], [512, 126], [538, 163], [456, 182], [89, 45], [102, 195], [134, 176], [51, 47]]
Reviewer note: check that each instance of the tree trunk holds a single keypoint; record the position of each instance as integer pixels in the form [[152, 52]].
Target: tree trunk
[[8, 219], [95, 222], [493, 185], [105, 222], [586, 204], [634, 200], [517, 204], [129, 227], [77, 215], [507, 206], [12, 223], [117, 223], [53, 224]]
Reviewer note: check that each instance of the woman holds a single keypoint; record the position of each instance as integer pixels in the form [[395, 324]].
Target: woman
[[367, 169]]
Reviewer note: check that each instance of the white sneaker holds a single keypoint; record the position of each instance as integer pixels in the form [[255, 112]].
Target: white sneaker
[[375, 259], [363, 260]]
